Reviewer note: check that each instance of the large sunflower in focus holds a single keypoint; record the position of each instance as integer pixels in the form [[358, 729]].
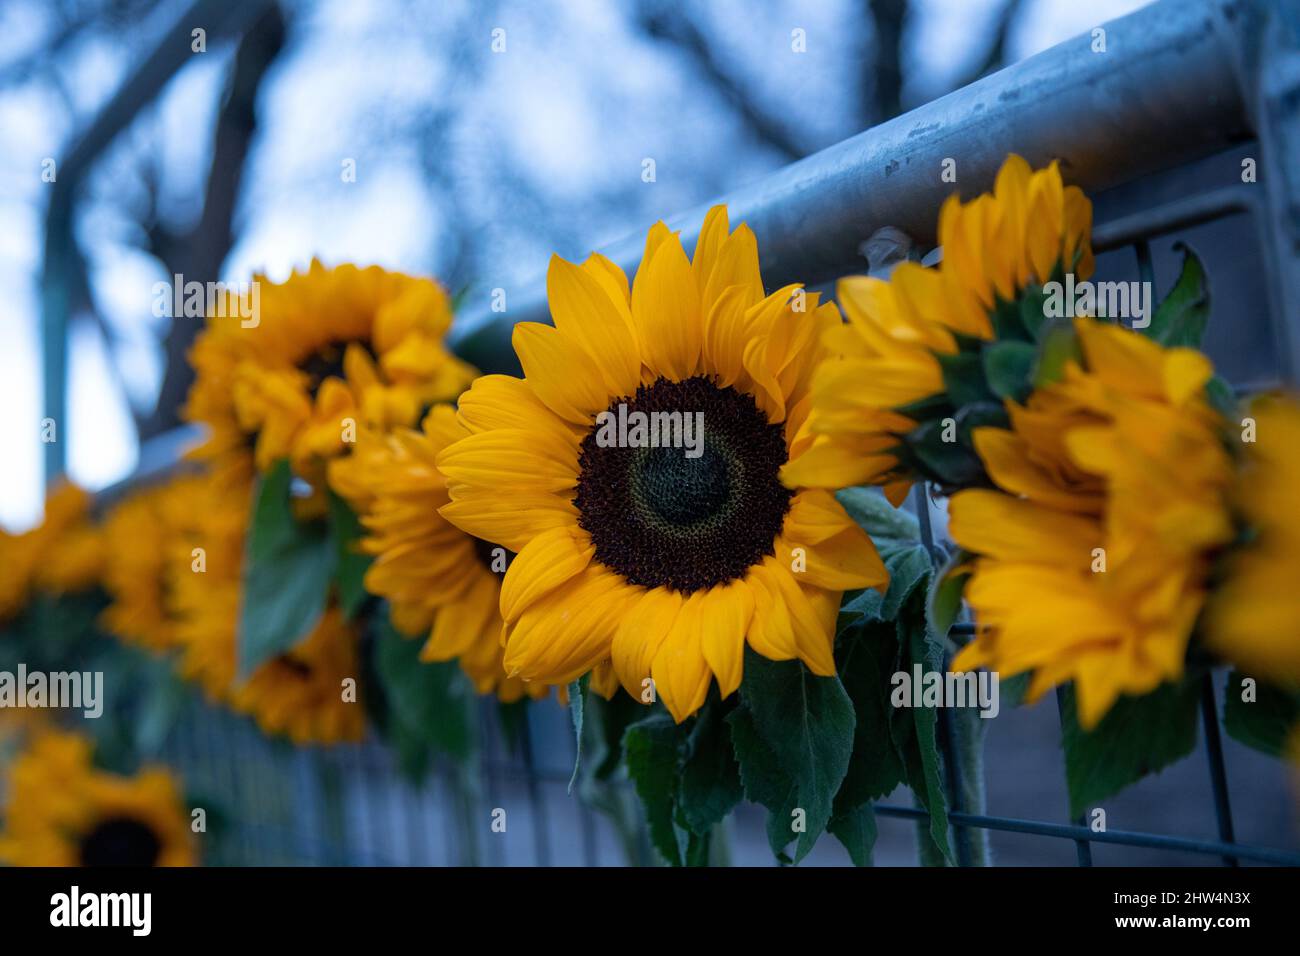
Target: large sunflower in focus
[[1094, 554], [1251, 620], [664, 563], [328, 351], [441, 583], [62, 811], [888, 375]]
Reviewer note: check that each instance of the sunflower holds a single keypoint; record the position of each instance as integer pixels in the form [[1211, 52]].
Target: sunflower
[[202, 586], [326, 352], [1252, 617], [888, 374], [62, 811], [143, 535], [439, 581], [63, 554], [300, 693], [1093, 557], [664, 560]]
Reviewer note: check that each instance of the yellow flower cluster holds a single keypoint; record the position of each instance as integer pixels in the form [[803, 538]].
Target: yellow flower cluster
[[885, 361], [324, 353], [1095, 551], [653, 495]]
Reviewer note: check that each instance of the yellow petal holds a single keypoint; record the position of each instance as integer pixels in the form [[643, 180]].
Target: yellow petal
[[545, 563], [585, 314], [510, 520], [680, 672], [639, 635], [666, 309], [726, 612], [562, 374], [508, 458]]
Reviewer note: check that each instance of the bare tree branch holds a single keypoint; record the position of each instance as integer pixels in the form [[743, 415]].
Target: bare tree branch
[[673, 26], [886, 63], [198, 253], [996, 56]]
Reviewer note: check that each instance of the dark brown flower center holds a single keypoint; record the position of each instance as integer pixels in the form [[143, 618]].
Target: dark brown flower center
[[693, 499], [120, 841], [326, 362]]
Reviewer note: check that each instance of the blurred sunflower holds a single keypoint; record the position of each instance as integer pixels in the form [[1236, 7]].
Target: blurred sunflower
[[202, 586], [1252, 617], [440, 582], [143, 536], [332, 350], [62, 811], [664, 563], [886, 376], [299, 693], [1094, 556], [63, 554]]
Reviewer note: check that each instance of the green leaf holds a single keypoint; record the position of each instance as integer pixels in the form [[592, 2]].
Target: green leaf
[[871, 511], [1033, 314], [288, 568], [985, 415], [346, 532], [807, 721], [1264, 723], [1008, 367], [697, 849], [963, 378], [611, 718], [651, 751], [1058, 346], [577, 698], [273, 524], [865, 662], [856, 829], [943, 604], [897, 536], [429, 703], [1222, 398], [1006, 320], [932, 406], [710, 778], [1013, 689], [908, 570], [1181, 318], [1138, 736], [764, 780], [859, 607], [934, 449], [915, 730]]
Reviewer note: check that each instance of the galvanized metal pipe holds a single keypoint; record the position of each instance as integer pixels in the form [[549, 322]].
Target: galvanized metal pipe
[[1165, 90]]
